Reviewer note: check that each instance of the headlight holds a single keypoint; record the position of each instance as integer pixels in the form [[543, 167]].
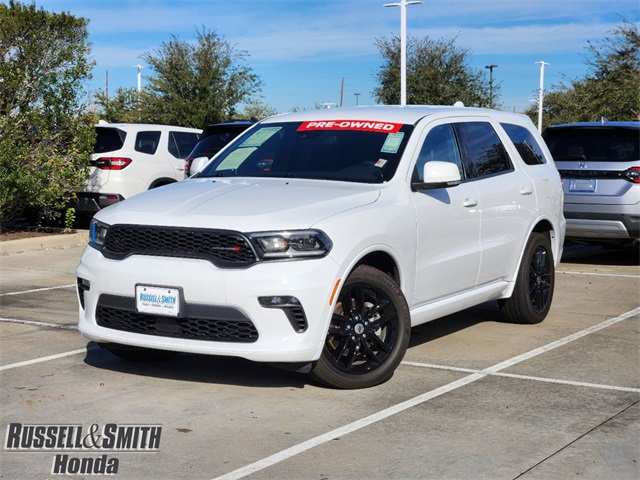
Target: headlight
[[291, 244], [98, 232]]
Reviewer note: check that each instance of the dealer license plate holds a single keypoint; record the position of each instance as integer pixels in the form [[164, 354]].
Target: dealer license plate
[[158, 300], [582, 185]]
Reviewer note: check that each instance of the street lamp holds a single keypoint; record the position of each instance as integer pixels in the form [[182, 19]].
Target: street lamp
[[357, 95], [541, 94], [403, 46], [139, 67], [491, 67]]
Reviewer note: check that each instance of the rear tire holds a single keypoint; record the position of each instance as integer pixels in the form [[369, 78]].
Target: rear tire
[[531, 298], [369, 332], [136, 354]]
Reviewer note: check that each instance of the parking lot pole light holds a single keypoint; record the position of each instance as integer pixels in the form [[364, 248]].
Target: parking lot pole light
[[139, 67], [491, 67], [541, 94], [403, 46]]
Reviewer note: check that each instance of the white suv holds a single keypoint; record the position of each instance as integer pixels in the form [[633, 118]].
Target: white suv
[[318, 239], [131, 158]]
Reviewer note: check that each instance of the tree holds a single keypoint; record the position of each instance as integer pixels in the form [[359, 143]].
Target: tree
[[196, 85], [611, 87], [46, 134], [256, 108], [437, 74], [121, 108]]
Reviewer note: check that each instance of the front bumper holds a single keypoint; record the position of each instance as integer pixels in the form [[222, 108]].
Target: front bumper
[[205, 289]]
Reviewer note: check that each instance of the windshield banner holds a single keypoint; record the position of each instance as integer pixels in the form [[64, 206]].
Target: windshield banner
[[361, 125]]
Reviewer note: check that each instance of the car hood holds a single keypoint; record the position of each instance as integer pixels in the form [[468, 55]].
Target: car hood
[[241, 204]]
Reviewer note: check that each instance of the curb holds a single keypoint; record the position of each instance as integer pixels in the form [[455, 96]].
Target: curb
[[45, 242]]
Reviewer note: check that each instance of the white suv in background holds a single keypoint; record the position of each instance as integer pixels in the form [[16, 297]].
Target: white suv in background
[[317, 239], [131, 158]]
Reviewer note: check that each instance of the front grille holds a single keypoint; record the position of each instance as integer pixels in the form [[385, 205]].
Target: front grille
[[223, 248], [222, 324]]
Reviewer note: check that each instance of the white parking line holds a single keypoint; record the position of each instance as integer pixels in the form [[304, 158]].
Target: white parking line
[[37, 290], [400, 407], [38, 324], [595, 274], [45, 359], [525, 377]]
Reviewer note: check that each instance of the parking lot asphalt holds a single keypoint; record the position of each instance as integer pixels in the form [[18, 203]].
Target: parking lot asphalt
[[475, 398]]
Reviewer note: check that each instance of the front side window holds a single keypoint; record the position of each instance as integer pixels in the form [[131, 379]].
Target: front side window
[[525, 143], [342, 150], [147, 142], [181, 143], [484, 153], [441, 145]]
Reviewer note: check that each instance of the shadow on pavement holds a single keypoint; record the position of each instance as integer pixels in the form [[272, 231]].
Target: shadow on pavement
[[200, 368], [575, 253]]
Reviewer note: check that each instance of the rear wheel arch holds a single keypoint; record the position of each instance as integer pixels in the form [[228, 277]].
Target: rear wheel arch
[[161, 182]]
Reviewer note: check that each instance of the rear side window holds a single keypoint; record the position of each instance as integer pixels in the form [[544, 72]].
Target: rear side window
[[484, 153], [181, 143], [108, 139], [147, 142], [601, 144], [525, 143]]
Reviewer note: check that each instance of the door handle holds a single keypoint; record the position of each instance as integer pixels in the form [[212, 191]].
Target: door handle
[[470, 202], [526, 190]]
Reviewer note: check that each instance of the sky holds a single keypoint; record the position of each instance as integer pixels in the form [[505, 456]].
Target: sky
[[310, 52]]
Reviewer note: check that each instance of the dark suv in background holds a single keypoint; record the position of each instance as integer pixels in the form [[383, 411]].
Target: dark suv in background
[[214, 138], [599, 163]]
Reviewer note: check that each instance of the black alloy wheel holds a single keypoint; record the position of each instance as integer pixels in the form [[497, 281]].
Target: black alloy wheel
[[533, 292], [368, 334]]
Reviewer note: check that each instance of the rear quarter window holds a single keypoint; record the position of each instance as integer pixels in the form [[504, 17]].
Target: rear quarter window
[[525, 143], [109, 139]]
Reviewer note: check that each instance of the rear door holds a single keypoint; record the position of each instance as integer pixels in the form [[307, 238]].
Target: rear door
[[506, 195]]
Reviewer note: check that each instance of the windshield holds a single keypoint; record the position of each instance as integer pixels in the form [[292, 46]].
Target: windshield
[[343, 150]]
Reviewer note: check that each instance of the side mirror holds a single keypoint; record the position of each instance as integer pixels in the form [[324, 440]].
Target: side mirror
[[197, 164], [438, 174]]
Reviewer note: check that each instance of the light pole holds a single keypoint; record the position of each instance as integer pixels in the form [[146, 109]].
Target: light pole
[[357, 95], [541, 94], [491, 67], [403, 46], [139, 67]]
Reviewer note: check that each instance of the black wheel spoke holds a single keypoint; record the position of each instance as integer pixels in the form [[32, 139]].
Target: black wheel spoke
[[373, 338], [340, 348]]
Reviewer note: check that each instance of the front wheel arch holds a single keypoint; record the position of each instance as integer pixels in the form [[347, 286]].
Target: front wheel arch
[[368, 334]]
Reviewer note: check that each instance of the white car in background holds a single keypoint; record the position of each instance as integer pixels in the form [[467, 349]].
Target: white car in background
[[317, 239], [130, 158]]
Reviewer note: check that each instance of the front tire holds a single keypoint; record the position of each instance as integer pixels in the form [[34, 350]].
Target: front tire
[[369, 332], [533, 292]]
